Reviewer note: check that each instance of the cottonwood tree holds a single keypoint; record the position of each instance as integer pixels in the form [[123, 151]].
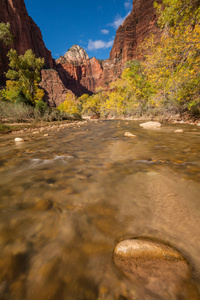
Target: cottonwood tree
[[23, 77], [5, 35]]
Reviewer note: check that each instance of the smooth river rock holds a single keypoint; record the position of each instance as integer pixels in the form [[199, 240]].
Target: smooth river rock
[[129, 134], [150, 125], [178, 131], [154, 267], [19, 140]]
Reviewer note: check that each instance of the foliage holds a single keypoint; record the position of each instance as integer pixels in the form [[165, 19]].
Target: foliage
[[5, 34], [69, 105], [167, 78], [92, 105], [24, 76], [4, 129], [100, 61], [41, 107], [19, 112], [80, 101], [173, 64], [175, 13], [15, 112]]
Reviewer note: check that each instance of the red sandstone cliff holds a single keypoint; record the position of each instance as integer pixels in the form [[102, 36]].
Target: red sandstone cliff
[[138, 25], [83, 78], [79, 73], [27, 34], [55, 90]]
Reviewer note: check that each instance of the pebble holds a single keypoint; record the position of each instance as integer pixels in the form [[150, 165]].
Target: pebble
[[129, 134], [178, 130], [150, 125], [19, 140], [46, 134]]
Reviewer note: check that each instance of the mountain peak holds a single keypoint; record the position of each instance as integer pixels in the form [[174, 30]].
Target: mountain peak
[[76, 55]]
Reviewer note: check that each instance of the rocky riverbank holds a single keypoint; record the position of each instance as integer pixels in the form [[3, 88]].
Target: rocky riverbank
[[19, 128]]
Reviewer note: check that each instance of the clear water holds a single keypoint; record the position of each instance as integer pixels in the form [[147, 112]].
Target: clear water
[[69, 198]]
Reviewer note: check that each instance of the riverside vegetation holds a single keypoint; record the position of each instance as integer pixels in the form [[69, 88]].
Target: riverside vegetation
[[164, 81], [22, 99]]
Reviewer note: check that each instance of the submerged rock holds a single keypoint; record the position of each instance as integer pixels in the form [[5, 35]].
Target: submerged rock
[[178, 131], [129, 134], [152, 266], [150, 125], [19, 140]]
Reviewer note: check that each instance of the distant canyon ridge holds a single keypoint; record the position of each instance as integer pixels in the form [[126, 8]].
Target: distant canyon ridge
[[75, 72]]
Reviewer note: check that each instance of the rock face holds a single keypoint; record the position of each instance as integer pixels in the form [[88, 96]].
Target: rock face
[[55, 91], [75, 55], [79, 73], [27, 34], [136, 27]]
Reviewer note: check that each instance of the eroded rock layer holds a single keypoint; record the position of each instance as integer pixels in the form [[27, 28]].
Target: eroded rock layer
[[55, 91], [141, 22], [79, 73]]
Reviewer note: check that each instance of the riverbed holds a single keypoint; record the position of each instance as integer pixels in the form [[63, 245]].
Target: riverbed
[[67, 199]]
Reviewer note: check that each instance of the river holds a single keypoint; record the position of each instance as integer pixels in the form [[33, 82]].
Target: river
[[68, 198]]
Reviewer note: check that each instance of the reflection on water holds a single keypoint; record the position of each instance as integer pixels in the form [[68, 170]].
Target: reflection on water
[[66, 200]]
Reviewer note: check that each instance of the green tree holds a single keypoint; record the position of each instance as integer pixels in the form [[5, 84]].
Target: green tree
[[24, 76], [5, 34]]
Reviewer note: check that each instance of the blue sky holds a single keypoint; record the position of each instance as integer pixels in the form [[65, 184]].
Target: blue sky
[[88, 23]]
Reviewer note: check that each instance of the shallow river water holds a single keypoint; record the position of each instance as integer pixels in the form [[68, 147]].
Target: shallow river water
[[67, 199]]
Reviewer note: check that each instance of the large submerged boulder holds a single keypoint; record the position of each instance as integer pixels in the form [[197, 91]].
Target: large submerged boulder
[[154, 267]]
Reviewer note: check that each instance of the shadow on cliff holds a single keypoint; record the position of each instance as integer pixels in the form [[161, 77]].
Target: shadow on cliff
[[71, 83]]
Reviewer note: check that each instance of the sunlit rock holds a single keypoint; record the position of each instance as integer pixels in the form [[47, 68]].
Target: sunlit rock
[[152, 266], [129, 134], [19, 140], [178, 131], [150, 125]]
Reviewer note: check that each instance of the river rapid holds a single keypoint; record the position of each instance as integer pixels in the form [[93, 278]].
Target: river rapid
[[68, 198]]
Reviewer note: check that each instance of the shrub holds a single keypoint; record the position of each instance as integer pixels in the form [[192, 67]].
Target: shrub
[[15, 112], [41, 107]]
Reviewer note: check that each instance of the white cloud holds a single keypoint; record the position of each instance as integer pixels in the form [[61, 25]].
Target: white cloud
[[105, 31], [118, 21], [128, 4], [99, 44]]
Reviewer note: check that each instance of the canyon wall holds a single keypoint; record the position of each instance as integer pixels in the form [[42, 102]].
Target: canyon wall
[[75, 71], [84, 75], [139, 24], [79, 73], [27, 34]]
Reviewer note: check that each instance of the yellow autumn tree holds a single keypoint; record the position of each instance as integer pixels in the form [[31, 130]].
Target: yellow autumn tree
[[69, 105]]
